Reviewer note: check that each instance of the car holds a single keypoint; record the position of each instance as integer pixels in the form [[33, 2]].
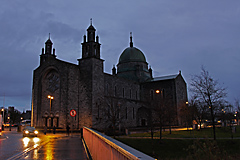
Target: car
[[26, 122], [30, 131], [14, 125], [6, 124]]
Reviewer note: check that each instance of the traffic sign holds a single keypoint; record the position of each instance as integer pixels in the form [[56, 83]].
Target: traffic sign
[[73, 113]]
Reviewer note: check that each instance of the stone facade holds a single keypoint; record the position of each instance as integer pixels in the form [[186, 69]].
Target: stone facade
[[124, 98]]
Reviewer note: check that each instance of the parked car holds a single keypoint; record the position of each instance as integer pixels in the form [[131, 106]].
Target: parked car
[[30, 131], [14, 125], [26, 122], [6, 124]]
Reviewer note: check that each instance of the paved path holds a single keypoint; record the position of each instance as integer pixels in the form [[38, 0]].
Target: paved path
[[59, 148]]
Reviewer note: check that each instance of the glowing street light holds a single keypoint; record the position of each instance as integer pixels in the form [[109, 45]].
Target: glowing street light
[[51, 98], [3, 114]]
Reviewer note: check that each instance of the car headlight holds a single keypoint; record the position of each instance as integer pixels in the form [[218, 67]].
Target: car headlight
[[35, 132], [26, 132]]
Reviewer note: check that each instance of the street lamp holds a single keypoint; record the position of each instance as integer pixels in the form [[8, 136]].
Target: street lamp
[[51, 98], [3, 114]]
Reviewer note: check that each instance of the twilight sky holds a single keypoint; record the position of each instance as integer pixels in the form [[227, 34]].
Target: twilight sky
[[173, 34]]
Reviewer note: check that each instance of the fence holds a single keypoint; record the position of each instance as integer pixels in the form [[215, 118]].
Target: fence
[[103, 147]]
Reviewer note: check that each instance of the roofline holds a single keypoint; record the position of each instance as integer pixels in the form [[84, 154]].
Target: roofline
[[162, 78]]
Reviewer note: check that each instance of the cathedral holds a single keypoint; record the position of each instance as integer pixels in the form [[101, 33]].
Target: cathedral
[[82, 94]]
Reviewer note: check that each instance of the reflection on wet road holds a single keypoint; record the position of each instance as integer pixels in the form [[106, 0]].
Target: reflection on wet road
[[52, 146], [61, 149]]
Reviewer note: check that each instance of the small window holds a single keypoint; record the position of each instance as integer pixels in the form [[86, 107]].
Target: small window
[[163, 93], [98, 110], [151, 94], [107, 89], [130, 94], [133, 114], [126, 112]]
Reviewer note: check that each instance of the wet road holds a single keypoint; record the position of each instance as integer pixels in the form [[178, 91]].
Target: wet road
[[50, 146], [67, 148]]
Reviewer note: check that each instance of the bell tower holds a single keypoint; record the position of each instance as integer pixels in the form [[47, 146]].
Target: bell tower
[[91, 45], [91, 70], [49, 53]]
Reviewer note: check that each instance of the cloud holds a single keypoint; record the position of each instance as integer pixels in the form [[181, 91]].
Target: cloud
[[173, 36]]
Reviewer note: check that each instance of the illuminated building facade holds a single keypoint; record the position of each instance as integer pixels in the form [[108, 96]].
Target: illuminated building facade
[[129, 93]]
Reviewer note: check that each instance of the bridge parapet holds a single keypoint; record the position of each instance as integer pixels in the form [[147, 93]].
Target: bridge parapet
[[104, 147]]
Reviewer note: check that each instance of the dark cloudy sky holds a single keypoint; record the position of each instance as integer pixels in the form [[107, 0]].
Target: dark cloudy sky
[[173, 34]]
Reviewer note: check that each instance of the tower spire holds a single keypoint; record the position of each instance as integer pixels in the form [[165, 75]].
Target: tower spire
[[48, 46], [91, 21], [131, 43]]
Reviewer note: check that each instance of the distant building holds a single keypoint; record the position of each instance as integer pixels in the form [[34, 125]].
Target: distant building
[[27, 114], [10, 109], [60, 86]]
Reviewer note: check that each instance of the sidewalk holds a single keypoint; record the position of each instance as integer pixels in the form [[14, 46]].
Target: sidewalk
[[61, 148]]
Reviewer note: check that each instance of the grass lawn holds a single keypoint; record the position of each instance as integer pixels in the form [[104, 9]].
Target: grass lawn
[[180, 145], [185, 148], [222, 132]]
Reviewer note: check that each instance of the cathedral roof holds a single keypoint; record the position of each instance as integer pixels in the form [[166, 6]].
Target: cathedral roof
[[165, 77], [48, 41], [132, 54], [91, 28]]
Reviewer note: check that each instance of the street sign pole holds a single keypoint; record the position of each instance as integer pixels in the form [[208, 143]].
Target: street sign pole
[[73, 113]]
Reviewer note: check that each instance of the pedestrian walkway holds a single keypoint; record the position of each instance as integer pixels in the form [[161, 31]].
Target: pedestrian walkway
[[64, 148]]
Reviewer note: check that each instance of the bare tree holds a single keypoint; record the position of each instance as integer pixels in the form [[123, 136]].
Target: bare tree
[[199, 111], [208, 91], [113, 112], [185, 114], [163, 110], [237, 107]]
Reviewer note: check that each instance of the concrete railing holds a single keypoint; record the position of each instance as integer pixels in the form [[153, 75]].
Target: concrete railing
[[102, 147]]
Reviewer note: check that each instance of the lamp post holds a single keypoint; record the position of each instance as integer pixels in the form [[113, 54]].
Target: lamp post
[[158, 92], [51, 98], [3, 114]]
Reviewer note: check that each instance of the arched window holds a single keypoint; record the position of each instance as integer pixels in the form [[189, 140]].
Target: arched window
[[151, 94], [163, 93], [126, 112], [115, 91], [106, 89], [133, 114], [130, 93]]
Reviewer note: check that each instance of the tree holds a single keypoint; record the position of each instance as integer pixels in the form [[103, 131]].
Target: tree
[[15, 116], [237, 107], [198, 111], [185, 114], [163, 110], [209, 92], [113, 109]]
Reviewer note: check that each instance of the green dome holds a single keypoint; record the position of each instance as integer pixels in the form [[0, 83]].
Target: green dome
[[132, 54]]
